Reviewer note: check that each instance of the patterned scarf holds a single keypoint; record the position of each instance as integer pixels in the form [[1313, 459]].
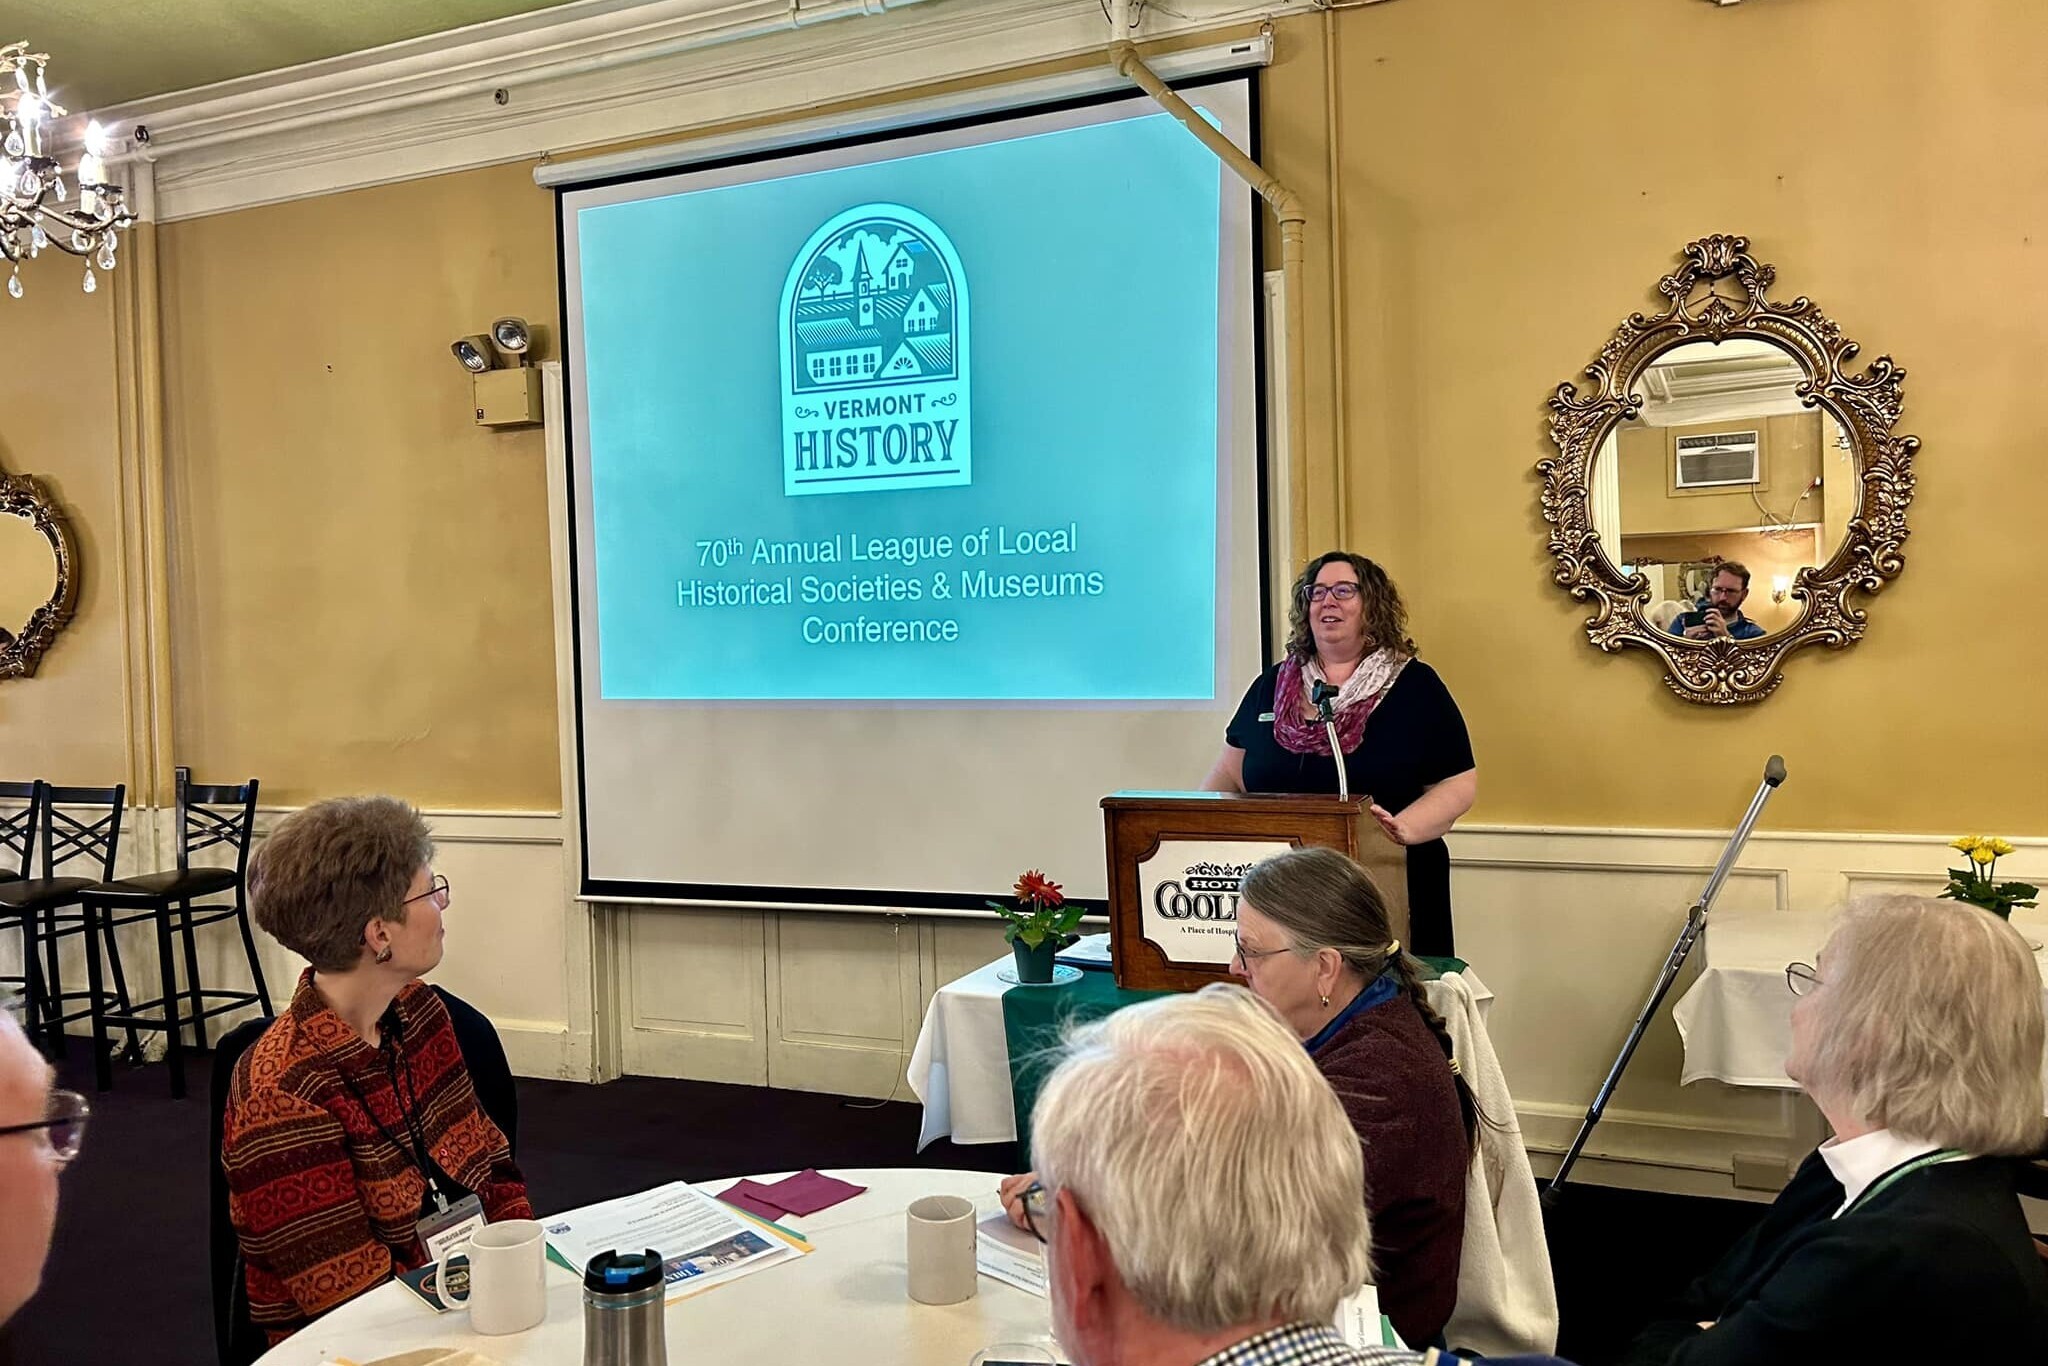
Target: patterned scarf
[[1355, 701]]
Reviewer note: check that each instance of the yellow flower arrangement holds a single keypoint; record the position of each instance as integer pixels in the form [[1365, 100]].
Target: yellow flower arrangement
[[1977, 882]]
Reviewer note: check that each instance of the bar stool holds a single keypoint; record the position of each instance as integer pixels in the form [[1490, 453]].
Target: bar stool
[[207, 815], [17, 859], [77, 823]]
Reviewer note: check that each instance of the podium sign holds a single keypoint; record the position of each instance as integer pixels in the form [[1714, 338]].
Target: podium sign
[[1188, 892], [1176, 860]]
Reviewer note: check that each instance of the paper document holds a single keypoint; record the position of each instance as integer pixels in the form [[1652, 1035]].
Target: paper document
[[1009, 1254], [702, 1243]]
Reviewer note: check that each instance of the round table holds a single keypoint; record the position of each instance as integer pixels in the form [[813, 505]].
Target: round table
[[846, 1302]]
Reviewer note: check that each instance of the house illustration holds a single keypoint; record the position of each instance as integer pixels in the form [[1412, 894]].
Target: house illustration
[[874, 305]]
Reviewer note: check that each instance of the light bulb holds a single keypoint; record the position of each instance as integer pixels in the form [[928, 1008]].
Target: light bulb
[[95, 141]]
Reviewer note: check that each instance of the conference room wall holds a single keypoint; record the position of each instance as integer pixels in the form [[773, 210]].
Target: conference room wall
[[1515, 178], [1485, 248], [65, 724]]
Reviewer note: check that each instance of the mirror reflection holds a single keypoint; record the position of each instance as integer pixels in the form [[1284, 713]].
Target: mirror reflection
[[28, 574], [1723, 488]]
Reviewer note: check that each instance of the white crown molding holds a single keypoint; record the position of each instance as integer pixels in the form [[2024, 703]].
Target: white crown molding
[[589, 74]]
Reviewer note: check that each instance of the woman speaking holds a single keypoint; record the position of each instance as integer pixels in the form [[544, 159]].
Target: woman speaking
[[1403, 738]]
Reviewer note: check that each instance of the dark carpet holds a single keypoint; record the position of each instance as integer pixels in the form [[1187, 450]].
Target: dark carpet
[[127, 1279]]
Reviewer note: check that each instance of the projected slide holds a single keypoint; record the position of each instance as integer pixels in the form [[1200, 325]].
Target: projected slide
[[941, 426]]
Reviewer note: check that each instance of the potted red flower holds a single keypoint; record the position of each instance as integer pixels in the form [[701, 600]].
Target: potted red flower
[[1038, 926]]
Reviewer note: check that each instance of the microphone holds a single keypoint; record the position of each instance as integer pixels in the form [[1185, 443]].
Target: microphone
[[1323, 696]]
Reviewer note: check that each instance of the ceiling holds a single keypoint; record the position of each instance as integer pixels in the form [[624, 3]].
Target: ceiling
[[107, 52]]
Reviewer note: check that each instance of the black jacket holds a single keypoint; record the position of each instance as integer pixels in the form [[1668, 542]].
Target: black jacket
[[1942, 1255]]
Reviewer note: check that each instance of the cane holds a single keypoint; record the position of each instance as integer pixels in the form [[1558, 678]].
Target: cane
[[1695, 921]]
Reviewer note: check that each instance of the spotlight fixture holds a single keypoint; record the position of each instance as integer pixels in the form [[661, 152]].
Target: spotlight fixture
[[512, 337], [473, 352]]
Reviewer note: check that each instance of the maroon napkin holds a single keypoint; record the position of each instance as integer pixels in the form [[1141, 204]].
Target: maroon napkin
[[808, 1192], [754, 1199]]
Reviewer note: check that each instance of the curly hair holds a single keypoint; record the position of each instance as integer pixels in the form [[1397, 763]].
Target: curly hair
[[1386, 620]]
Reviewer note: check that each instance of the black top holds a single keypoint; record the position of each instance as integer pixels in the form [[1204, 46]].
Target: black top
[[1414, 739], [1943, 1255]]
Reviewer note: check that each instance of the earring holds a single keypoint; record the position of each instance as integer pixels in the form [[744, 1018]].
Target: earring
[[383, 955], [1326, 1003]]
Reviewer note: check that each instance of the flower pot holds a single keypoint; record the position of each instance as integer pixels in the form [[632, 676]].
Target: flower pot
[[1034, 966]]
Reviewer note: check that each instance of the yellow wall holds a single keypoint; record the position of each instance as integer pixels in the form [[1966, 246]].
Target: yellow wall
[[361, 595], [1515, 178], [360, 587], [57, 422]]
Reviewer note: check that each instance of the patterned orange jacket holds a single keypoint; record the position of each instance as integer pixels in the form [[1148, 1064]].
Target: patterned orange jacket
[[325, 1202]]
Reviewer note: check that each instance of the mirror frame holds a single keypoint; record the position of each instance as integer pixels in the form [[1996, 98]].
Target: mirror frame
[[1726, 671], [21, 496]]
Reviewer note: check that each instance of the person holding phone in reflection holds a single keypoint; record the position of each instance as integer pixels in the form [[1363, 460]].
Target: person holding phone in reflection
[[1719, 616]]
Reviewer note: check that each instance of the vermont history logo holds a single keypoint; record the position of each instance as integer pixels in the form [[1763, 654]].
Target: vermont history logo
[[874, 357]]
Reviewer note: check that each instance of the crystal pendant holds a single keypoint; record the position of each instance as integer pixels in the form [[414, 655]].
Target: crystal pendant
[[38, 239], [15, 146], [31, 184], [107, 254], [91, 281], [57, 185], [81, 241], [14, 285]]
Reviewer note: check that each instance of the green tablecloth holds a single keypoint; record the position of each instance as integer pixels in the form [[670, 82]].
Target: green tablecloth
[[1035, 1019]]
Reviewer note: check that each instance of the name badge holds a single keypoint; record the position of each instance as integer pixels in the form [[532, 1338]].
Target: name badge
[[447, 1230], [1266, 716]]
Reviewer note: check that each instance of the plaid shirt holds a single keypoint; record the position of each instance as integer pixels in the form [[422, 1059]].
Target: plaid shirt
[[1315, 1344]]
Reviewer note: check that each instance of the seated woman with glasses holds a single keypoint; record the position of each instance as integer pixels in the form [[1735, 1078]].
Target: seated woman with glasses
[[1314, 943], [353, 1142], [1403, 738], [1919, 1036]]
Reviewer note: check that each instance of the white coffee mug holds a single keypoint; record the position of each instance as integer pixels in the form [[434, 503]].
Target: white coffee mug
[[941, 1248], [507, 1281]]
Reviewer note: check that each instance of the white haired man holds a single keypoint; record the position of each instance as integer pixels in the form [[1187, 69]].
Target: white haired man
[[1198, 1193], [40, 1131], [1919, 1037]]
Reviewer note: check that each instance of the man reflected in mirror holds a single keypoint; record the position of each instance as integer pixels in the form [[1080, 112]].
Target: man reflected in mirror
[[1721, 613]]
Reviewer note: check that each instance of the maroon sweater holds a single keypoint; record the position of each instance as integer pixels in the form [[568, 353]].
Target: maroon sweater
[[1391, 1074]]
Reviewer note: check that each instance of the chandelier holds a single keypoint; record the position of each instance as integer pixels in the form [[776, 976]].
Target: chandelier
[[33, 211]]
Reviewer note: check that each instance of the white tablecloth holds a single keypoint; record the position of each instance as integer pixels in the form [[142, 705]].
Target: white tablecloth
[[1736, 1020], [846, 1302], [960, 1068]]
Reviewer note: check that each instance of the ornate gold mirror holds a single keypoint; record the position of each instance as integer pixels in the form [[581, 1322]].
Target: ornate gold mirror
[[1729, 482], [38, 574]]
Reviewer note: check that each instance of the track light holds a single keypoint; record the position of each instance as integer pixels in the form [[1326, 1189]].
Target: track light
[[474, 353]]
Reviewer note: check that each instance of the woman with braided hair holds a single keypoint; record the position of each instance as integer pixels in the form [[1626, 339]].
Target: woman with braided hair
[[1313, 940]]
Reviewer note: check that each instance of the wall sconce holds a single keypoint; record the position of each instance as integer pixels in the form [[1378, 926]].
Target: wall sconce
[[504, 388], [1781, 584]]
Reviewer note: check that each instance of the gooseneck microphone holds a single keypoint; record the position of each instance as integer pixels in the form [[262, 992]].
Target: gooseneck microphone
[[1324, 698]]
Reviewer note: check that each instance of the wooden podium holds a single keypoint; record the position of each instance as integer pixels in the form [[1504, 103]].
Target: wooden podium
[[1175, 860]]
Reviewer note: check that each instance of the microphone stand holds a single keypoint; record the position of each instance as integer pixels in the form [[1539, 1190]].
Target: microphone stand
[[1328, 713], [1695, 923]]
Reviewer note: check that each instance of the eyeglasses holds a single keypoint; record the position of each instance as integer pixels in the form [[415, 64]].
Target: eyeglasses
[[1342, 592], [439, 892], [64, 1129], [1037, 1210], [1801, 977], [1251, 956]]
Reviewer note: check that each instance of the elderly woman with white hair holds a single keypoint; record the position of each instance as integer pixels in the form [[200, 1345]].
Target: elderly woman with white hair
[[1919, 1035], [1197, 1191]]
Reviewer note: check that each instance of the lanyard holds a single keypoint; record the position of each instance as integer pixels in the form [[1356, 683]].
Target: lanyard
[[406, 1108], [1900, 1173]]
